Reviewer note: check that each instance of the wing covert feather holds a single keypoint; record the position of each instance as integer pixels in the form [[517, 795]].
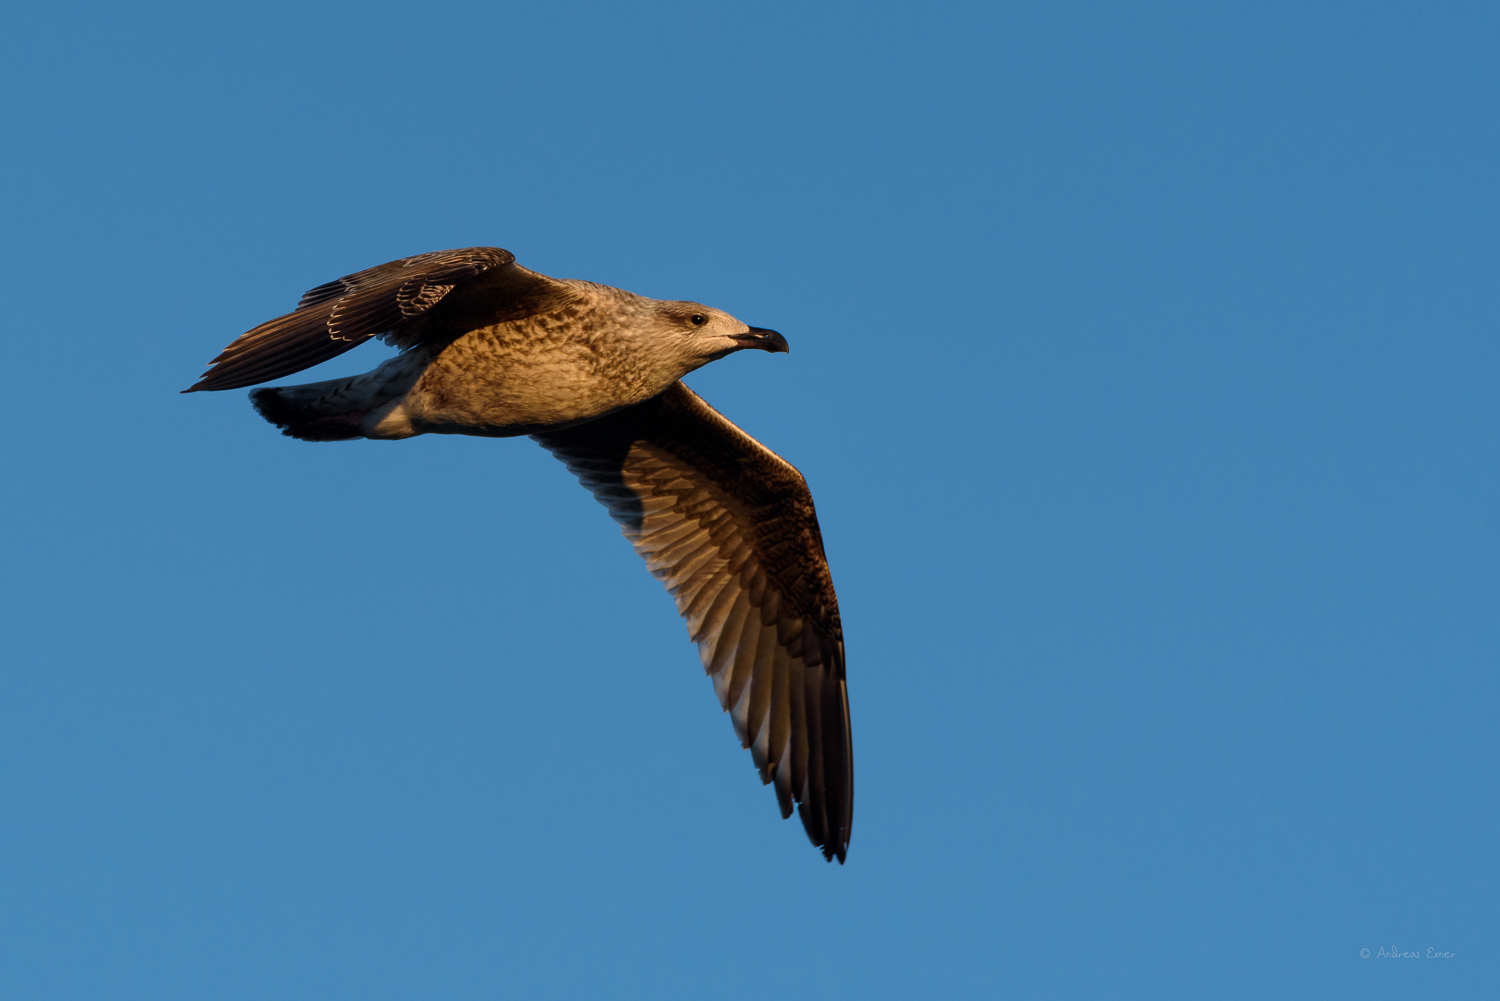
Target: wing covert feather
[[385, 301]]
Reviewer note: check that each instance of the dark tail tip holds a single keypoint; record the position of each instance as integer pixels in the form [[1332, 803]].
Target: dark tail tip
[[296, 422]]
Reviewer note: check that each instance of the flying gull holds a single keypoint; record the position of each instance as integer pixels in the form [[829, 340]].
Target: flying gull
[[593, 374]]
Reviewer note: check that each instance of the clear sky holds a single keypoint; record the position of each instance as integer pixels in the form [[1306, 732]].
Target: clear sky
[[1144, 369]]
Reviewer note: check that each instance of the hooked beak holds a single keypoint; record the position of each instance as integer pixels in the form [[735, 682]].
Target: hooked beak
[[766, 340]]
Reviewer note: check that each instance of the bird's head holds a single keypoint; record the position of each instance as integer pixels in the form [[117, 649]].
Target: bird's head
[[704, 334]]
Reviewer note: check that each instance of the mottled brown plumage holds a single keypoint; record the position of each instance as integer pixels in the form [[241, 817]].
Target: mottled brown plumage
[[592, 373]]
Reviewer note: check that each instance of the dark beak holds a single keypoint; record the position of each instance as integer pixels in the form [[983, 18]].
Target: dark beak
[[766, 340]]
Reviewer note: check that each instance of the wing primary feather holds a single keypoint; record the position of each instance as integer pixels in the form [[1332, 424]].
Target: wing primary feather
[[814, 809], [718, 649], [779, 719], [760, 703], [696, 592], [717, 611], [797, 719], [746, 657]]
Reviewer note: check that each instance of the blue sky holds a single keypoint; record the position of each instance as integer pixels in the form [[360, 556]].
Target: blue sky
[[1143, 369]]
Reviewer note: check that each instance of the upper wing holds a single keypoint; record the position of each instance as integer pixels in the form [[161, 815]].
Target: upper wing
[[729, 527], [342, 314]]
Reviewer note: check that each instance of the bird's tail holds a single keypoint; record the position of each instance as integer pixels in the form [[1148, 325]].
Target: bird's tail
[[341, 409], [318, 411]]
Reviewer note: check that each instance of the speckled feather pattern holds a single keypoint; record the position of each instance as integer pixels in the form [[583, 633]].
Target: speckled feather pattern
[[571, 364]]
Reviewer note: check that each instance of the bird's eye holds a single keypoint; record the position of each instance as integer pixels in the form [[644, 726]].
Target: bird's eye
[[698, 319]]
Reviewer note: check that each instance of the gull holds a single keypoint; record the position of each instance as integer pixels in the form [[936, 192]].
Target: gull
[[593, 374]]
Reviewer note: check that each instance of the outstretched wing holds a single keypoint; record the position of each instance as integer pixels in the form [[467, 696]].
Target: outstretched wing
[[729, 527], [343, 314]]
